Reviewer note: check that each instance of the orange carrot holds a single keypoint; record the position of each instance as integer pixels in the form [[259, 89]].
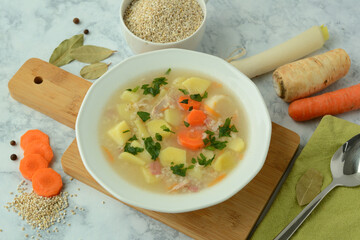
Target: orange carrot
[[41, 148], [190, 103], [31, 163], [33, 135], [46, 182], [217, 180], [196, 117], [108, 153], [339, 101], [191, 139]]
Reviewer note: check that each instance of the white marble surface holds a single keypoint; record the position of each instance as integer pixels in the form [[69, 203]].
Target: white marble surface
[[34, 28]]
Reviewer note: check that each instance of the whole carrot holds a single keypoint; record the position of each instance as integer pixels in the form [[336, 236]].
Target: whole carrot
[[339, 101], [310, 75]]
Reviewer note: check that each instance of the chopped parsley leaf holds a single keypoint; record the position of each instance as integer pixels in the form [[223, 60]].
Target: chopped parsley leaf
[[133, 138], [133, 150], [168, 71], [186, 124], [226, 129], [184, 91], [185, 101], [193, 160], [134, 89], [154, 89], [211, 142], [126, 131], [179, 169], [158, 137], [166, 129], [191, 108], [198, 97], [203, 161], [144, 116], [153, 148]]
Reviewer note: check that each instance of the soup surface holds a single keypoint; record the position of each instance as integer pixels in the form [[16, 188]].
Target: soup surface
[[173, 132]]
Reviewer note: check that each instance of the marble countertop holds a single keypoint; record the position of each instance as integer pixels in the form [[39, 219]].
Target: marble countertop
[[34, 28]]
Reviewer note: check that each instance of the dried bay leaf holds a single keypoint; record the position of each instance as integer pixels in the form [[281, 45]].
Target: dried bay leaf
[[308, 186], [94, 70], [61, 54], [90, 53]]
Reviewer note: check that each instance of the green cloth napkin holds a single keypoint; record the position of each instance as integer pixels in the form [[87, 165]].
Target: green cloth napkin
[[338, 215]]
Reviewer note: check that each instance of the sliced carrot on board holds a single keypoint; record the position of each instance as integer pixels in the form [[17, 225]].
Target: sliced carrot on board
[[31, 136], [46, 182], [31, 163], [196, 118], [186, 102], [41, 148], [191, 139], [217, 180], [108, 153]]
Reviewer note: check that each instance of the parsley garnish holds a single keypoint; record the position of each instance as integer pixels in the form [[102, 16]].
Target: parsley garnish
[[133, 138], [126, 131], [184, 91], [185, 101], [198, 97], [154, 89], [226, 129], [144, 116], [158, 137], [133, 150], [202, 160], [212, 143], [168, 71], [166, 129], [179, 169], [186, 124], [134, 89], [152, 148]]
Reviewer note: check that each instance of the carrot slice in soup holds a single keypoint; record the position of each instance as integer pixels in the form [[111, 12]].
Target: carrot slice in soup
[[196, 117], [46, 182], [186, 102], [41, 148], [31, 163], [191, 139], [31, 136]]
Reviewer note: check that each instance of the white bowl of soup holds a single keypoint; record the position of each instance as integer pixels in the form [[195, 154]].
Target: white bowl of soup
[[173, 130]]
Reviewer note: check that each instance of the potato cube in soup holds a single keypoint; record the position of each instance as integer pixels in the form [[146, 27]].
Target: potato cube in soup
[[196, 85], [144, 155], [149, 178], [124, 110], [173, 116], [172, 155], [141, 129], [224, 162], [129, 96], [178, 82], [120, 133], [221, 105], [196, 172], [131, 158], [236, 144], [154, 126]]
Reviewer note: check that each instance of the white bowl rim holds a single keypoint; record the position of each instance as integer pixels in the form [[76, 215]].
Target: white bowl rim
[[158, 44], [176, 209]]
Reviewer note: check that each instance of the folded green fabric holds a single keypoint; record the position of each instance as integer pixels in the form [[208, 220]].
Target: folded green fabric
[[338, 214]]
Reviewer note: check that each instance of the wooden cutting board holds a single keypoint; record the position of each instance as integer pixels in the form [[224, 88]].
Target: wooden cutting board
[[58, 94]]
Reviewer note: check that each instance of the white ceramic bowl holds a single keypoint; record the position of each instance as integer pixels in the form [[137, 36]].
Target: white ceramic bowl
[[244, 89], [139, 45]]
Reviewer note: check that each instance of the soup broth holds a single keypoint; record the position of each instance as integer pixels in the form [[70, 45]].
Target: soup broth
[[175, 131]]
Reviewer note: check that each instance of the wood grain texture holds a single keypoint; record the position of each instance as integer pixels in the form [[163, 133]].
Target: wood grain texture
[[60, 95]]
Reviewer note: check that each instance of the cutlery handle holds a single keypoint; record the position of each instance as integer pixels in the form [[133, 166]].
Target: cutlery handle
[[290, 229]]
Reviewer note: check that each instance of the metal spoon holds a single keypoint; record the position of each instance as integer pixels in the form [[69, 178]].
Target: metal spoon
[[345, 169]]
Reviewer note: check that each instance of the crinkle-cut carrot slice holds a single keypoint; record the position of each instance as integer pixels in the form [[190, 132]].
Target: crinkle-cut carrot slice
[[46, 182], [31, 163]]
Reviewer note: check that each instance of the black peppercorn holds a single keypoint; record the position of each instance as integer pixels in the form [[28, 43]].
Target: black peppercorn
[[76, 20], [12, 143], [13, 157], [86, 31]]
